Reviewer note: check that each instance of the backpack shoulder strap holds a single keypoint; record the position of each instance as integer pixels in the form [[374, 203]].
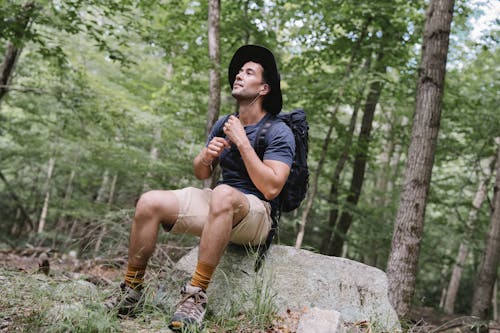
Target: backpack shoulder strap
[[260, 138]]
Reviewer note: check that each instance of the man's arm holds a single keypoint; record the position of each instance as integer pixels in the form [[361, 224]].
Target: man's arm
[[268, 176]]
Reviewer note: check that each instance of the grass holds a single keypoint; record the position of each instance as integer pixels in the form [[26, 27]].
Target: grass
[[253, 312], [37, 303], [32, 302]]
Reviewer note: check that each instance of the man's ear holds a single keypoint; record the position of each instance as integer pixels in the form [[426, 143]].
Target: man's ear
[[264, 90]]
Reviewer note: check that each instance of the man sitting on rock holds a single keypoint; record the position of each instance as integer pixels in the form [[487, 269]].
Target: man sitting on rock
[[238, 209]]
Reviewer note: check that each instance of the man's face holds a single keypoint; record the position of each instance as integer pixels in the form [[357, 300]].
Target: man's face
[[248, 83]]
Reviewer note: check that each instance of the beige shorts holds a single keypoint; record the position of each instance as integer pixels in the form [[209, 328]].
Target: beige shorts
[[193, 214]]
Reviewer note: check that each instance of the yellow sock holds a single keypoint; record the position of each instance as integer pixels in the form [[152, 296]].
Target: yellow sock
[[202, 275], [134, 277]]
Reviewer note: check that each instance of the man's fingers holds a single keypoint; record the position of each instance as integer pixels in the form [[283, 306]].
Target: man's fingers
[[216, 146]]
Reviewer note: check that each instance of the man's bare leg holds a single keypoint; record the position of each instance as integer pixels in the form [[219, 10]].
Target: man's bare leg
[[153, 208], [228, 207]]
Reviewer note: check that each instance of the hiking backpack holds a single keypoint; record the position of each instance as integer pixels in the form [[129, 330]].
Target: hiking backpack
[[296, 186]]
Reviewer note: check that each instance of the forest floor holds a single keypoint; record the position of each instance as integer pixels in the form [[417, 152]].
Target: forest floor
[[29, 300]]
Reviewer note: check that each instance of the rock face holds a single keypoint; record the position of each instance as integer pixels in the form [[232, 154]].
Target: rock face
[[297, 279]]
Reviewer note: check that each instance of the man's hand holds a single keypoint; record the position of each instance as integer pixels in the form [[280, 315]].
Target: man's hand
[[203, 162], [214, 149], [235, 132]]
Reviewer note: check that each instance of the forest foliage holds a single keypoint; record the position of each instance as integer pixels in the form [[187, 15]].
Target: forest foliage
[[109, 99]]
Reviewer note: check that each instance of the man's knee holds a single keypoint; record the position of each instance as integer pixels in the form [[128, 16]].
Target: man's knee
[[153, 203], [226, 199], [223, 196]]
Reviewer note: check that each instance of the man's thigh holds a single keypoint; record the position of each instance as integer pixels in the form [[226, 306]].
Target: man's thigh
[[194, 208], [255, 226]]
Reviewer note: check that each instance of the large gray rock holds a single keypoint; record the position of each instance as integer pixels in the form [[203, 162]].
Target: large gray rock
[[298, 279]]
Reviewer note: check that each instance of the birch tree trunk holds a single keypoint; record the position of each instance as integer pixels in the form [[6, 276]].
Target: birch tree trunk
[[112, 190], [214, 72], [45, 208], [408, 228], [61, 221], [463, 251], [214, 55], [100, 199], [110, 202], [487, 273], [101, 193]]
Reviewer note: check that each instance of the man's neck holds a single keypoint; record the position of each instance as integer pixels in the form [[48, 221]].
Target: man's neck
[[251, 114]]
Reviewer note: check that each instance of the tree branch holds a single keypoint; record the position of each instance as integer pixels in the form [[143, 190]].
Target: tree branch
[[23, 89]]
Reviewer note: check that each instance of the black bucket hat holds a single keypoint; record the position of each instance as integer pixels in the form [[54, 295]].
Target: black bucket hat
[[273, 102]]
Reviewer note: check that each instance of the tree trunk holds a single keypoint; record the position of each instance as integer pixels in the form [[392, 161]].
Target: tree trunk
[[60, 224], [358, 174], [463, 251], [101, 193], [381, 184], [313, 189], [13, 51], [408, 228], [487, 274], [335, 179], [332, 199], [104, 229], [153, 157], [342, 160], [112, 190], [45, 208], [7, 67], [214, 55], [495, 301], [314, 184], [19, 204], [214, 72]]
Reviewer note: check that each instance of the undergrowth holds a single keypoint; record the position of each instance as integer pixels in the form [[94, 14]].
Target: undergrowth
[[34, 302]]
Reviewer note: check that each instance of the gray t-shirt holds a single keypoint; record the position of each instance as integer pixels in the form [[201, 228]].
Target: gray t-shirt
[[279, 146]]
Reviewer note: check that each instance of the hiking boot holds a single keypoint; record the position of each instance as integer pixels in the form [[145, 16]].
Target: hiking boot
[[128, 301], [191, 308]]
